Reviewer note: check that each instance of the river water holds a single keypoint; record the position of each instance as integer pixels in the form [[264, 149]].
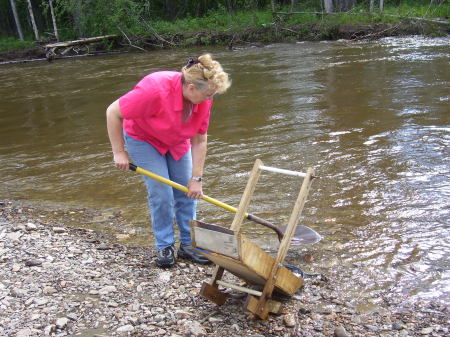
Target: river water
[[372, 119]]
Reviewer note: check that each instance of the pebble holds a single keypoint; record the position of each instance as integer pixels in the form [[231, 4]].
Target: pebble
[[61, 322], [341, 332], [289, 320], [126, 328]]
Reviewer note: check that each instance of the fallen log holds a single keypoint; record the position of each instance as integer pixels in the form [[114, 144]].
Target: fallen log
[[80, 41]]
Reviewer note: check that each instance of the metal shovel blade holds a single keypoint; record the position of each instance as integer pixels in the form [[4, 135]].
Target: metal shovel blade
[[303, 235]]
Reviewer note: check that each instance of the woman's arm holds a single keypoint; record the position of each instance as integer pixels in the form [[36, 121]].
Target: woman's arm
[[114, 124], [198, 143]]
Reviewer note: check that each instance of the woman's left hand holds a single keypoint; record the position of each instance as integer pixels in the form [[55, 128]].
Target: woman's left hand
[[195, 189]]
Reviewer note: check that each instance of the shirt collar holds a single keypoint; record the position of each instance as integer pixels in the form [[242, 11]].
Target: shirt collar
[[178, 88]]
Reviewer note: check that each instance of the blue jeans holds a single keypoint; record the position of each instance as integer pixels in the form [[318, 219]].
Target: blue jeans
[[165, 203]]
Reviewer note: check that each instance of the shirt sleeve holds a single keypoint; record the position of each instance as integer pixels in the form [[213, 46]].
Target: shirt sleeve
[[139, 103], [205, 122]]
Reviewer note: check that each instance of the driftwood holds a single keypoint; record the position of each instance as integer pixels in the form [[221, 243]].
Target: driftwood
[[80, 41], [80, 46]]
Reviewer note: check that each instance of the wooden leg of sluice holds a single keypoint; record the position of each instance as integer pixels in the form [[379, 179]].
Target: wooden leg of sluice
[[211, 291], [213, 294], [262, 310]]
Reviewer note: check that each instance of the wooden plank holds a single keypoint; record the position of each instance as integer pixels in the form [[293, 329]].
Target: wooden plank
[[246, 196], [236, 287], [213, 294], [251, 304]]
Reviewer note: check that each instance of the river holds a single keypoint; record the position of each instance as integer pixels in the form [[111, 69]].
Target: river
[[371, 117]]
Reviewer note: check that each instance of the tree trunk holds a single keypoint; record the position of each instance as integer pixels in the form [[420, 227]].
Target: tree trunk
[[55, 28], [328, 6], [16, 18], [381, 5], [33, 23], [372, 5], [273, 5]]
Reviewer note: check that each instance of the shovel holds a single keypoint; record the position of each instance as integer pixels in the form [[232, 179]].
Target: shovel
[[303, 235]]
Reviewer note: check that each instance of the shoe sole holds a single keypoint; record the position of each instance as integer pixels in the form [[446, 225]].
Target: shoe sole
[[188, 257]]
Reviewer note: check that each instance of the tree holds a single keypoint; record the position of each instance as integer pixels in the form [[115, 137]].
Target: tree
[[33, 22], [55, 29], [16, 19], [328, 4]]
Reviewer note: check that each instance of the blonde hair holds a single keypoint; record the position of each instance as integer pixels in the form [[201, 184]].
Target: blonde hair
[[206, 73]]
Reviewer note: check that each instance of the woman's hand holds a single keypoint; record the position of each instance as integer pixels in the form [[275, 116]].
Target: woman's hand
[[195, 189], [121, 160]]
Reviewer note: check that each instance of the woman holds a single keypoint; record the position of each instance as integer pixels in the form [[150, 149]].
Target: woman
[[162, 123]]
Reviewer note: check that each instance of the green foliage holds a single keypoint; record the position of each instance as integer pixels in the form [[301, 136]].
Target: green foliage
[[11, 43]]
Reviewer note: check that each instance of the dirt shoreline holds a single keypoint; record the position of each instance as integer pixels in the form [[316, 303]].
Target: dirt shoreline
[[247, 38], [61, 280]]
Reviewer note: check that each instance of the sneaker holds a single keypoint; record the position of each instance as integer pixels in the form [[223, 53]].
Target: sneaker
[[189, 253], [166, 257]]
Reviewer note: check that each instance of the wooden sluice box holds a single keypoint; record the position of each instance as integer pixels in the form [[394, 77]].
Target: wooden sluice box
[[231, 251]]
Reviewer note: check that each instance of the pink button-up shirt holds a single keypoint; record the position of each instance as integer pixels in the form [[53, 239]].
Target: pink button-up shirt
[[152, 112]]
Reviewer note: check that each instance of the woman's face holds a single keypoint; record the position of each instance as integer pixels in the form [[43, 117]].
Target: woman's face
[[197, 95]]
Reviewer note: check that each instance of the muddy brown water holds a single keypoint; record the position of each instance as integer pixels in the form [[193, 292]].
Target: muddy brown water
[[372, 118]]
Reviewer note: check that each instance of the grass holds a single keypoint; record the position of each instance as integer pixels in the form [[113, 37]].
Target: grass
[[10, 43]]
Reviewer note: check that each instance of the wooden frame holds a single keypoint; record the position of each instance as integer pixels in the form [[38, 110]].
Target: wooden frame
[[232, 251]]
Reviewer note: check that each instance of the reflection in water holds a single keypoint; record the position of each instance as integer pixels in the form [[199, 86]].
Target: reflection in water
[[372, 118]]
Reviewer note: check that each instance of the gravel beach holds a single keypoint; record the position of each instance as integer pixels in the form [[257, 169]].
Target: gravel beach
[[60, 279]]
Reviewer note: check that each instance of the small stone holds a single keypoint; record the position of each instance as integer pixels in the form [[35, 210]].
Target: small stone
[[24, 332], [58, 230], [33, 263], [106, 290], [30, 227], [397, 326], [289, 320], [194, 328], [16, 267], [40, 301], [49, 290], [103, 246], [72, 316], [49, 329], [340, 332], [426, 331], [15, 236], [125, 328], [61, 322]]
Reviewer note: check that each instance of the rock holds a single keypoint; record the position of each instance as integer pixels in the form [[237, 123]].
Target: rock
[[106, 290], [125, 328], [397, 326], [194, 328], [164, 277], [49, 290], [103, 246], [33, 263], [49, 329], [340, 332], [15, 236], [289, 320], [59, 230], [72, 316], [30, 227], [61, 323], [24, 332], [426, 331]]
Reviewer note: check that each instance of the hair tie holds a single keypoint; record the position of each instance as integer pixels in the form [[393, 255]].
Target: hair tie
[[191, 62]]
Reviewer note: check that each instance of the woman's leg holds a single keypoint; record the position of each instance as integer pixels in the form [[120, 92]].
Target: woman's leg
[[159, 195], [185, 208]]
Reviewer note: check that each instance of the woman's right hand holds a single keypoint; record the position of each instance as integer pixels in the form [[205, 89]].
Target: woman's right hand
[[121, 160]]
